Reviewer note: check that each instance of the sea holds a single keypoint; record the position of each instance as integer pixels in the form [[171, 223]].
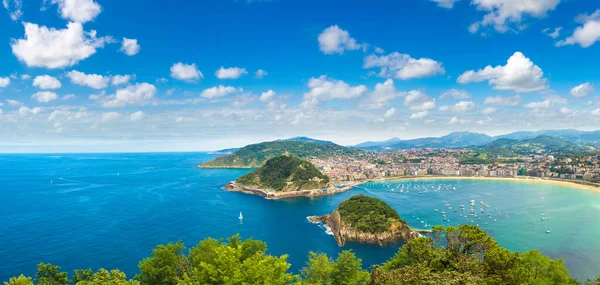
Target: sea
[[109, 211]]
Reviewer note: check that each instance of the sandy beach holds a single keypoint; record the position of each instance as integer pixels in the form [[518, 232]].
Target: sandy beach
[[569, 183]]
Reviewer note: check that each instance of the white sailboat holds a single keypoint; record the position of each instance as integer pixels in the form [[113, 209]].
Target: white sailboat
[[241, 217]]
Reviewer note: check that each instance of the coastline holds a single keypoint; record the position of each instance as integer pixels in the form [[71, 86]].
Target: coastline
[[270, 194]]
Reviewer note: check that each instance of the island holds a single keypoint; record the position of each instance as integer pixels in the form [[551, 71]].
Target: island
[[366, 219], [286, 176]]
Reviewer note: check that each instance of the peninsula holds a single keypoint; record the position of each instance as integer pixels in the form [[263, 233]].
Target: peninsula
[[367, 220], [285, 176]]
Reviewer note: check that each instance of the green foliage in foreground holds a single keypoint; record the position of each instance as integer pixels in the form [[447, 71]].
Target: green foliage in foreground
[[368, 214], [279, 170], [255, 155], [462, 255]]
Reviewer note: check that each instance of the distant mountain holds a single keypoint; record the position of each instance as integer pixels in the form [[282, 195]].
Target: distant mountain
[[539, 144], [453, 140], [255, 155], [307, 139], [470, 139]]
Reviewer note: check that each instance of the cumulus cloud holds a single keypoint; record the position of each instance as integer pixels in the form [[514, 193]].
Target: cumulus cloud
[[335, 40], [539, 105], [91, 80], [519, 74], [130, 47], [417, 100], [455, 94], [260, 74], [390, 112], [554, 34], [324, 89], [448, 4], [52, 48], [267, 95], [502, 14], [456, 120], [46, 82], [381, 95], [81, 11], [137, 116], [120, 79], [460, 107], [4, 81], [582, 90], [503, 101], [230, 73], [596, 113], [14, 8], [219, 91], [419, 115], [110, 117], [186, 72], [585, 35], [44, 96], [403, 66], [489, 110], [25, 111], [138, 94]]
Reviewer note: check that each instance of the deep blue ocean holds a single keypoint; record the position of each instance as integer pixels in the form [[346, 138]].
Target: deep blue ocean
[[110, 210]]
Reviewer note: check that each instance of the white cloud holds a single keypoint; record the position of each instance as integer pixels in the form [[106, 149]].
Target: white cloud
[[418, 101], [52, 48], [554, 34], [14, 8], [14, 103], [419, 115], [267, 95], [539, 105], [456, 120], [582, 90], [519, 74], [585, 35], [489, 110], [121, 79], [501, 14], [186, 72], [46, 82], [44, 96], [25, 111], [130, 47], [324, 89], [448, 4], [260, 74], [25, 76], [463, 107], [69, 97], [137, 116], [382, 95], [455, 94], [138, 94], [390, 112], [4, 81], [596, 112], [335, 40], [566, 111], [219, 91], [91, 80], [403, 66], [230, 73], [503, 101], [78, 10], [110, 116]]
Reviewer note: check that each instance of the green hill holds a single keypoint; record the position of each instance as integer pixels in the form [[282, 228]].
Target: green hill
[[255, 155], [540, 144], [285, 173], [368, 214]]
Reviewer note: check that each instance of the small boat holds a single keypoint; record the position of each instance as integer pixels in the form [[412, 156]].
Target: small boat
[[435, 210], [548, 232], [241, 217], [544, 219]]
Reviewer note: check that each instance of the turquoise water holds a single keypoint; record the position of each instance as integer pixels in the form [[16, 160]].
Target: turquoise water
[[110, 210]]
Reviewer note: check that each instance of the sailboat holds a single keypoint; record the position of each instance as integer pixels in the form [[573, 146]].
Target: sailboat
[[241, 217]]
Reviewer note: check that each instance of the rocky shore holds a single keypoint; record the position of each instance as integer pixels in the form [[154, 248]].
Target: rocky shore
[[344, 233], [270, 194]]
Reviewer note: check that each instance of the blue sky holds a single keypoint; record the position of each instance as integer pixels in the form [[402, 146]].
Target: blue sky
[[147, 78]]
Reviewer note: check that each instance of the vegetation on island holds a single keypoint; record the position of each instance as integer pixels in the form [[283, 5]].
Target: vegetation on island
[[454, 255], [255, 155], [285, 172], [368, 214]]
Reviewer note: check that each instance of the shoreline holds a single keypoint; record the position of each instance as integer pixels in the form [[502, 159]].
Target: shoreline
[[529, 179], [273, 195]]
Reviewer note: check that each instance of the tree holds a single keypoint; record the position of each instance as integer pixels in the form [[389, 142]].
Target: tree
[[345, 270], [48, 274], [104, 277], [165, 267], [21, 280]]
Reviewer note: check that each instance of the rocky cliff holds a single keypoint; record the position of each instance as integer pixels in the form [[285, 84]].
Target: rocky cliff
[[344, 233]]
